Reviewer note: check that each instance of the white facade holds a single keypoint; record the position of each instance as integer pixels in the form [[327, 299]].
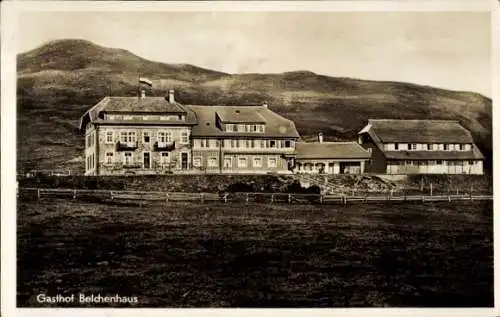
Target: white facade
[[472, 167]]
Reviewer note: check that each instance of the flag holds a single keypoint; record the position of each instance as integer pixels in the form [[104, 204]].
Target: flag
[[145, 81]]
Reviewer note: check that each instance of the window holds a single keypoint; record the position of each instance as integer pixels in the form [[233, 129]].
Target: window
[[127, 158], [427, 147], [468, 147], [88, 141], [252, 143], [462, 147], [446, 147], [257, 162], [146, 136], [288, 143], [197, 162], [109, 137], [408, 147], [413, 147], [109, 157], [164, 137], [271, 162], [396, 146], [229, 127], [131, 136], [247, 143], [237, 143], [212, 162], [202, 142], [184, 137], [261, 128], [262, 143], [254, 128], [432, 162], [471, 162], [241, 128], [272, 143], [242, 162], [228, 162], [439, 162], [123, 136]]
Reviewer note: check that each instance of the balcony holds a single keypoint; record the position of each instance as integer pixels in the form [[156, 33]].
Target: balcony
[[126, 146], [164, 146]]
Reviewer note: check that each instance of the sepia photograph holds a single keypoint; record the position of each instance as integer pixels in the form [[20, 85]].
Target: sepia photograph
[[204, 158]]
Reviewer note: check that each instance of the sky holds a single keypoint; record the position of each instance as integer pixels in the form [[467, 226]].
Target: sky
[[443, 49]]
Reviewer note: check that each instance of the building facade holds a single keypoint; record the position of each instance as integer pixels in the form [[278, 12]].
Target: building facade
[[420, 147]]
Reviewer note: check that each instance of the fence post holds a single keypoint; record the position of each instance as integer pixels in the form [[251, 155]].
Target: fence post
[[74, 193], [431, 189], [225, 198], [321, 198], [289, 198], [201, 198], [247, 199], [272, 198], [38, 191], [166, 198]]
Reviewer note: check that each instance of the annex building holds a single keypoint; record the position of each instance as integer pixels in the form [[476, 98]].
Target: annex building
[[420, 147]]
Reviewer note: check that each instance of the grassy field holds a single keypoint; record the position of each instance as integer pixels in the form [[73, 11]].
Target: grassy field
[[218, 255]]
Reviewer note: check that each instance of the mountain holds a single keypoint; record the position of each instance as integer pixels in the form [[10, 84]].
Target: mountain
[[59, 81]]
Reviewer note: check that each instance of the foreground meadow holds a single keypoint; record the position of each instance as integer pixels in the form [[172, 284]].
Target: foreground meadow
[[236, 255]]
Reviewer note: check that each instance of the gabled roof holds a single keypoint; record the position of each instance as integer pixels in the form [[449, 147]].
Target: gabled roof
[[330, 150], [275, 125], [232, 114], [157, 105], [418, 131]]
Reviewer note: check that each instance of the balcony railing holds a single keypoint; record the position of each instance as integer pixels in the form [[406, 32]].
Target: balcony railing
[[124, 146], [164, 146]]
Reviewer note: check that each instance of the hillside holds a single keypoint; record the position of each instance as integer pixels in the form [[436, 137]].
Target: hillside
[[60, 80]]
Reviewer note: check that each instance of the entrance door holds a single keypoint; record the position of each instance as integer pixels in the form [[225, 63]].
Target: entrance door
[[184, 161], [147, 160]]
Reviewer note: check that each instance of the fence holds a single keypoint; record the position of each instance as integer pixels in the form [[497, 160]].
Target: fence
[[290, 198]]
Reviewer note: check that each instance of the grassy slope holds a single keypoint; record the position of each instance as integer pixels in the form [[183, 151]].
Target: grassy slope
[[59, 81], [216, 255]]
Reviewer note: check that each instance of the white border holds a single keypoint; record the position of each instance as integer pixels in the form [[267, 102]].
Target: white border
[[8, 140]]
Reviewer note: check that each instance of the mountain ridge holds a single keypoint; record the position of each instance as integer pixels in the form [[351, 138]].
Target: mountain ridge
[[59, 81]]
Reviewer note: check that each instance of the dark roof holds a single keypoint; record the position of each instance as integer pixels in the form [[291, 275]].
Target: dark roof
[[136, 104], [331, 150], [157, 105], [275, 125], [232, 114], [475, 154], [418, 131]]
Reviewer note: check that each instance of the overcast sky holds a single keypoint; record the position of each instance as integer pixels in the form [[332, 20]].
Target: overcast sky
[[442, 49]]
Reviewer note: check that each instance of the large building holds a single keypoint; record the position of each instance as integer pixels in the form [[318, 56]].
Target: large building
[[420, 147], [156, 135]]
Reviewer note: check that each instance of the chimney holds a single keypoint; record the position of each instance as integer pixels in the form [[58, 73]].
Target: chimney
[[320, 137], [171, 96], [265, 104], [143, 93]]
